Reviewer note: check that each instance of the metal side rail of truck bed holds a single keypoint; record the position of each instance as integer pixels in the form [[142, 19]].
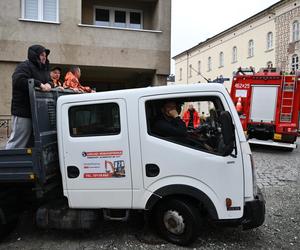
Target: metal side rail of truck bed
[[16, 165], [38, 164], [272, 143]]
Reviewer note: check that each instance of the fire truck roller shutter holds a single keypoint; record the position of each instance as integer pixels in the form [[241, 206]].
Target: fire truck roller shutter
[[263, 104]]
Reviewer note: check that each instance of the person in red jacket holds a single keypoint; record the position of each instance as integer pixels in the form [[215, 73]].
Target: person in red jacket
[[191, 117]]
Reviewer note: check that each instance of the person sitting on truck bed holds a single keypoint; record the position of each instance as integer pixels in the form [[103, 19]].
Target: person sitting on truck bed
[[72, 81], [37, 68], [55, 82], [170, 123]]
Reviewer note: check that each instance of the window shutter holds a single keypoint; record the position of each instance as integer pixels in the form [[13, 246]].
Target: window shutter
[[50, 10], [31, 9]]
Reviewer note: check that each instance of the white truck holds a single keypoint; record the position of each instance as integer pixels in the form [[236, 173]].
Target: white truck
[[110, 159]]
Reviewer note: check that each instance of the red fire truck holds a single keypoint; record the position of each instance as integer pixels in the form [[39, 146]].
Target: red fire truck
[[268, 103]]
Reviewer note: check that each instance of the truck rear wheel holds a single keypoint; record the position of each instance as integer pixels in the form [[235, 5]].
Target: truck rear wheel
[[10, 210], [177, 221], [7, 223]]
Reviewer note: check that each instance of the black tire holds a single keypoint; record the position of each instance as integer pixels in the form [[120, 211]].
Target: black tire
[[8, 226], [177, 221], [10, 210]]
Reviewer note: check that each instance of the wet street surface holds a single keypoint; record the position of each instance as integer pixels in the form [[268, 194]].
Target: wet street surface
[[277, 176]]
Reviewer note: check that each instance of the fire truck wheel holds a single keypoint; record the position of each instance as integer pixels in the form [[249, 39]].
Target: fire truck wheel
[[178, 221]]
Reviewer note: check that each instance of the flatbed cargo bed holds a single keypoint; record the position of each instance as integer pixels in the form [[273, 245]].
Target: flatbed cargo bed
[[39, 163]]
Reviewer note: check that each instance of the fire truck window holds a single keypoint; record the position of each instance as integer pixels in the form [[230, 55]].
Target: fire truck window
[[192, 121], [94, 120]]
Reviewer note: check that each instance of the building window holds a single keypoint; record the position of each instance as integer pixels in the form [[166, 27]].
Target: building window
[[40, 10], [234, 54], [199, 67], [121, 18], [295, 62], [209, 64], [180, 74], [250, 48], [269, 64], [94, 120], [135, 21], [221, 59], [269, 40], [295, 31], [102, 17], [190, 70]]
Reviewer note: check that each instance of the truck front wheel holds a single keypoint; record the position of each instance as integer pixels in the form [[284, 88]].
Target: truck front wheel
[[177, 221]]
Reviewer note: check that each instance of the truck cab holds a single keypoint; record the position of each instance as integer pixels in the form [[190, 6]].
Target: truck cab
[[112, 158]]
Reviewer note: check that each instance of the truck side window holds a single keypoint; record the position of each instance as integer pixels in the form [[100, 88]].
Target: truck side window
[[94, 120], [191, 121]]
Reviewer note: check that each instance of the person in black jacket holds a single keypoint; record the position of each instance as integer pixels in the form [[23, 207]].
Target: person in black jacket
[[170, 124], [37, 68]]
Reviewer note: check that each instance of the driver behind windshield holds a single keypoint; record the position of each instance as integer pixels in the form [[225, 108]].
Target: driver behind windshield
[[169, 124]]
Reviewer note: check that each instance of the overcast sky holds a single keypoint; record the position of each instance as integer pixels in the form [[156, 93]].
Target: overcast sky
[[194, 21]]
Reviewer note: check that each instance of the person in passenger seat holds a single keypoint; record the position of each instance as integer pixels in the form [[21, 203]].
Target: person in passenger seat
[[169, 124]]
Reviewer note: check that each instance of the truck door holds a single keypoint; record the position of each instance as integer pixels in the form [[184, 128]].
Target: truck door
[[96, 154], [192, 160]]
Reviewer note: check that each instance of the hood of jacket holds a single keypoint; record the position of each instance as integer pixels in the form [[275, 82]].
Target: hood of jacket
[[33, 55]]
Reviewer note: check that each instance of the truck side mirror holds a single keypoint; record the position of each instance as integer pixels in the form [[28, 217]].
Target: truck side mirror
[[226, 144]]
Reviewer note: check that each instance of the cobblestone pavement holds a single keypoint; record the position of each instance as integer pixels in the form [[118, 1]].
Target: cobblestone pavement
[[276, 167]]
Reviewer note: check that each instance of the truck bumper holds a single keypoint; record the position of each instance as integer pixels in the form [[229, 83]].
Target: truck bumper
[[254, 212], [272, 143]]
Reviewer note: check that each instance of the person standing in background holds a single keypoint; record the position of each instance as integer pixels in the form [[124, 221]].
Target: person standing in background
[[191, 117]]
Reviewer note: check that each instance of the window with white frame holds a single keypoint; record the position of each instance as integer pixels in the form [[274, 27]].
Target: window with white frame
[[190, 70], [121, 18], [209, 64], [269, 40], [251, 48], [295, 31], [40, 10], [269, 64], [295, 62], [234, 54], [221, 59], [199, 67]]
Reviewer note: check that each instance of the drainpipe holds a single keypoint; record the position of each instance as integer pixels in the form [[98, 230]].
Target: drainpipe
[[187, 68]]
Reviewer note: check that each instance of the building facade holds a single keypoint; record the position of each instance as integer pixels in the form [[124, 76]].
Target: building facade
[[267, 39], [117, 43]]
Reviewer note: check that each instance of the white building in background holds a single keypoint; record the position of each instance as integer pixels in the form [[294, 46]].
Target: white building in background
[[271, 38]]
